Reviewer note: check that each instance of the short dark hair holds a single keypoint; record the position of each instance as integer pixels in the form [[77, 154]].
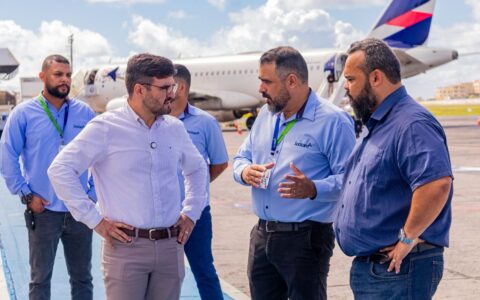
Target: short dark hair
[[141, 68], [378, 56], [53, 58], [184, 74], [287, 60]]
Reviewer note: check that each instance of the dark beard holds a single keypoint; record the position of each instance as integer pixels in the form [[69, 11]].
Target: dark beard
[[364, 103], [55, 91], [279, 103]]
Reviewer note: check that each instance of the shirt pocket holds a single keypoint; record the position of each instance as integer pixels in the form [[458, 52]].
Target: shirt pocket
[[372, 158]]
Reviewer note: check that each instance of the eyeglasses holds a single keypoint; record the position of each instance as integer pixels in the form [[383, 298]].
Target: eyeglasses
[[170, 88]]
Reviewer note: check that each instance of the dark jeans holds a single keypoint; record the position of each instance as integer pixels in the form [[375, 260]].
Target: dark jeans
[[420, 274], [199, 253], [291, 264], [49, 227]]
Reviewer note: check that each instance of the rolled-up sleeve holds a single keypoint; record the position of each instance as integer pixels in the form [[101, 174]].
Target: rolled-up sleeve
[[242, 159], [81, 153]]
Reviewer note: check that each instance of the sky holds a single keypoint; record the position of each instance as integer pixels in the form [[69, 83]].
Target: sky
[[109, 31]]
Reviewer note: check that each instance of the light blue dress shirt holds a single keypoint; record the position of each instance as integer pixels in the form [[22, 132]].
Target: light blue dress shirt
[[318, 144], [206, 135], [30, 135]]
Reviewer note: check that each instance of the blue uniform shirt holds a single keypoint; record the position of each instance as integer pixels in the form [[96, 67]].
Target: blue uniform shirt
[[206, 135], [319, 144], [402, 147], [30, 135]]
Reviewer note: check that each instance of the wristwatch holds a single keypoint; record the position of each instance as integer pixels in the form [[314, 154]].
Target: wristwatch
[[403, 238], [26, 199]]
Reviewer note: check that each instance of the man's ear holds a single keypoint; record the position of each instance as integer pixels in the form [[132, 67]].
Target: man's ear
[[376, 78], [292, 80], [138, 89], [42, 75]]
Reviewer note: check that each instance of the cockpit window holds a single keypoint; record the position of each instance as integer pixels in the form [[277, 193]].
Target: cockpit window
[[90, 76]]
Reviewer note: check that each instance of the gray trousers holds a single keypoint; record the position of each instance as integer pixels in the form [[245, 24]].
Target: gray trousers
[[143, 269]]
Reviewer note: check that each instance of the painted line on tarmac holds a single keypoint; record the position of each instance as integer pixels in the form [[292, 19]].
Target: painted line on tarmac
[[466, 169], [227, 288], [7, 290]]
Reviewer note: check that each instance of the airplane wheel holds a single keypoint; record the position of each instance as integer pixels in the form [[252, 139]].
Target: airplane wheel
[[250, 122]]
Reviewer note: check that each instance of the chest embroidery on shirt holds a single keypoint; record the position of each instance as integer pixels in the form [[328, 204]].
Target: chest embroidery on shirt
[[303, 144], [193, 132]]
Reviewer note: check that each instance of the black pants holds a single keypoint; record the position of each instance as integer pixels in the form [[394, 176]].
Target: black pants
[[291, 264]]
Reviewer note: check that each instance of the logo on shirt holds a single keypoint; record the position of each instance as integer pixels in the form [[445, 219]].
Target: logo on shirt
[[78, 126], [193, 132], [304, 144]]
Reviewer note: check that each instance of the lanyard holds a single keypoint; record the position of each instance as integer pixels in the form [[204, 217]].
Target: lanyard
[[52, 119], [276, 140]]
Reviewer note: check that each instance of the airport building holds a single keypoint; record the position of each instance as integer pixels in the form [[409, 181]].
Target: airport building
[[458, 91]]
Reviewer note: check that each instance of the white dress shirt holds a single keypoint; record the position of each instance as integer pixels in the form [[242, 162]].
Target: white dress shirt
[[134, 168]]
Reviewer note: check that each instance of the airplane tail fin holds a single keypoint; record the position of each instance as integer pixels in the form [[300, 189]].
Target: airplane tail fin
[[405, 24]]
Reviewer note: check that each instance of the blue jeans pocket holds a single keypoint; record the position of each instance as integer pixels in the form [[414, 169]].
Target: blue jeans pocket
[[380, 271]]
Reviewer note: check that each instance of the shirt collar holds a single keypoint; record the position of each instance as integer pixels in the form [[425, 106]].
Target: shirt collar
[[134, 117], [384, 108], [189, 110], [307, 110], [50, 106]]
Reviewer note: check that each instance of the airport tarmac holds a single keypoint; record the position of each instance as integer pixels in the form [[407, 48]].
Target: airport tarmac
[[233, 220]]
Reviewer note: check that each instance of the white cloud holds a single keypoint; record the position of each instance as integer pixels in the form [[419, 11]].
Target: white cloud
[[219, 4], [126, 2], [177, 14], [30, 48]]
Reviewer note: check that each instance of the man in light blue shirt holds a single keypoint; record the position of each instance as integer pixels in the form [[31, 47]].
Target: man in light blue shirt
[[294, 160], [206, 135], [36, 131]]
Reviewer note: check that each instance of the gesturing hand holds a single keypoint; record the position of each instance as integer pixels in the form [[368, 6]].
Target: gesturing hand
[[299, 186]]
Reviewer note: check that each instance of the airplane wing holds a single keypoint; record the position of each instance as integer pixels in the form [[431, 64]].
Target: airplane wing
[[221, 99]]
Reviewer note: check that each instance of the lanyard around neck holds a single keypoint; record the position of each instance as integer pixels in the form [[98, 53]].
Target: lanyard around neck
[[277, 139], [52, 119]]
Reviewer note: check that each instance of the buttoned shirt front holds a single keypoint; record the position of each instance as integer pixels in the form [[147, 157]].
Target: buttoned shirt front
[[135, 171], [31, 137], [318, 144], [401, 148], [206, 135]]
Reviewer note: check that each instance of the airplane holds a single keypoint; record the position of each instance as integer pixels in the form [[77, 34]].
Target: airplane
[[227, 86]]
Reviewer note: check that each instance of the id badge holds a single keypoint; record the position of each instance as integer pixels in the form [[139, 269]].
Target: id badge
[[266, 176]]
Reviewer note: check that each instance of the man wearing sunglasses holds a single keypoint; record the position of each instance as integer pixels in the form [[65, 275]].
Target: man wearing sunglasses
[[134, 153]]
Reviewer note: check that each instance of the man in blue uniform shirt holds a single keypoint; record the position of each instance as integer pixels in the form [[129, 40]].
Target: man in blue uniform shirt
[[36, 132], [206, 135], [294, 160], [395, 208]]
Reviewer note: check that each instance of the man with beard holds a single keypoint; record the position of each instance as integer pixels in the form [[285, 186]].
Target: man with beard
[[36, 131], [395, 207], [207, 136], [134, 153], [294, 160]]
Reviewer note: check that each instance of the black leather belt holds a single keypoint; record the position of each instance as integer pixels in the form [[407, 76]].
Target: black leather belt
[[382, 257], [275, 226], [154, 233]]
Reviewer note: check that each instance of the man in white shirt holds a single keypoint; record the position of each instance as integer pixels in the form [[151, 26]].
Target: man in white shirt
[[133, 153]]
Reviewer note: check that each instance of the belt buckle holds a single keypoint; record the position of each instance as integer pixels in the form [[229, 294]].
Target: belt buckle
[[150, 234], [267, 227]]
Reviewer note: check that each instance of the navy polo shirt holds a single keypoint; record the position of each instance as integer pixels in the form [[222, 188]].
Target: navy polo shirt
[[401, 148]]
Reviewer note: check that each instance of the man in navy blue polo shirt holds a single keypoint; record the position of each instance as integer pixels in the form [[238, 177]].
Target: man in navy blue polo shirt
[[395, 207], [206, 135]]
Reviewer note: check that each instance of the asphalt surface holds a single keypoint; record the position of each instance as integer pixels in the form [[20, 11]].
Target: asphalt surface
[[233, 220]]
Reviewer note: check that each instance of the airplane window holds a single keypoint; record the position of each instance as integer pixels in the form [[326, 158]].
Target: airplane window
[[212, 73], [201, 73], [240, 72], [311, 68], [318, 67], [234, 72], [223, 72], [228, 73], [218, 73], [195, 74]]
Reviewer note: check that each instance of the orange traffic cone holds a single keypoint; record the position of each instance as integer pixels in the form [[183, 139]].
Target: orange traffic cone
[[238, 129]]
